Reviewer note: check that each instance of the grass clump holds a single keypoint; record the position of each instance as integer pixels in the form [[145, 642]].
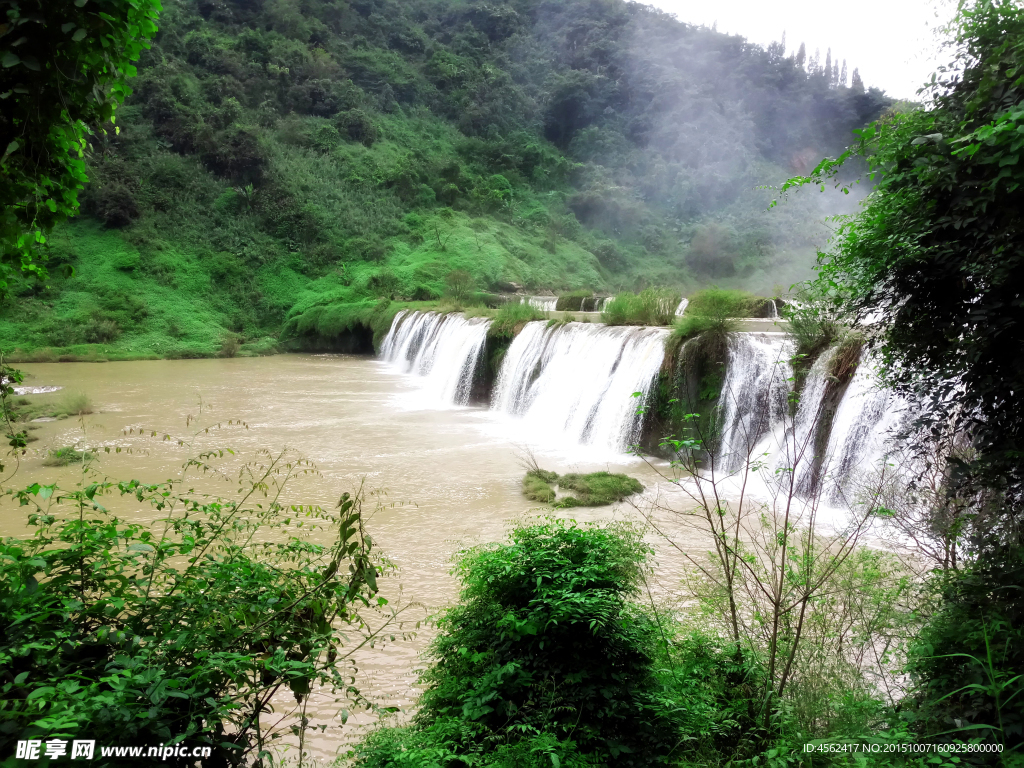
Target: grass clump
[[537, 485], [573, 302], [510, 318], [596, 489], [720, 302], [649, 307], [62, 457], [75, 404], [548, 660]]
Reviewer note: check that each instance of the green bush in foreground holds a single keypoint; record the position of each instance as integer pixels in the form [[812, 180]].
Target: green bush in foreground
[[546, 661], [187, 627]]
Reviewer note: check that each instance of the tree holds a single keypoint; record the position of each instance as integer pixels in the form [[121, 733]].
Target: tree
[[856, 83], [842, 75], [936, 258], [939, 247], [801, 56], [64, 67]]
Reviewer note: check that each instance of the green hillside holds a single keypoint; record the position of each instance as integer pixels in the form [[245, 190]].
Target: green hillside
[[284, 155]]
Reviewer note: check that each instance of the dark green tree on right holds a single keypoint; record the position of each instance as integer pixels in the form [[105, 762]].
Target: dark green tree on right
[[935, 262]]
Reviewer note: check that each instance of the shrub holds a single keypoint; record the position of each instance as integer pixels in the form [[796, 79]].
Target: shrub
[[230, 346], [546, 661], [511, 317], [75, 404], [458, 285], [123, 633], [115, 206], [572, 302], [649, 307], [62, 457], [721, 303]]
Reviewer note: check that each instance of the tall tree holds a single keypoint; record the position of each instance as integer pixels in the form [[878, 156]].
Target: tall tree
[[801, 56], [842, 75], [64, 67], [855, 82]]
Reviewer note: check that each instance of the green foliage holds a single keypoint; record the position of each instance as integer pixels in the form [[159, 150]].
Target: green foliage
[[936, 255], [64, 67], [597, 488], [275, 155], [968, 663], [545, 662], [649, 307], [122, 632], [573, 302], [511, 317], [537, 485], [62, 457], [719, 303]]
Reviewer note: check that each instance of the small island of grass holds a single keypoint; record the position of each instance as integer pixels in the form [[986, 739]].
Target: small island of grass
[[596, 489]]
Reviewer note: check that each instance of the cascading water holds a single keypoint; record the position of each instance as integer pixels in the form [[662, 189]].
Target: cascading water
[[796, 453], [754, 395], [682, 307], [857, 444], [578, 379], [444, 350], [543, 303]]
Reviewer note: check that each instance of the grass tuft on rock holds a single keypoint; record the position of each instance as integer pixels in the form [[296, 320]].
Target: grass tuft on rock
[[596, 489], [62, 457]]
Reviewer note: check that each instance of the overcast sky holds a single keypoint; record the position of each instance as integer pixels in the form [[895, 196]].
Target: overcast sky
[[892, 42]]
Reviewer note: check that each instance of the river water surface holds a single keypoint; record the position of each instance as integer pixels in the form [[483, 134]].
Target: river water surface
[[452, 475]]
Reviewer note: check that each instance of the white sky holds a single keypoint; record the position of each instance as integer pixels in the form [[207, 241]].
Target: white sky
[[892, 42]]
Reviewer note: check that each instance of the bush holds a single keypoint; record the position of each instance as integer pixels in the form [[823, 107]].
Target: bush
[[127, 634], [230, 346], [721, 303], [545, 662], [511, 317], [572, 302], [75, 404], [62, 457], [649, 307], [458, 285]]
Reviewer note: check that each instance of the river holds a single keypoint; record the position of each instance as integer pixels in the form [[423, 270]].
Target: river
[[452, 474]]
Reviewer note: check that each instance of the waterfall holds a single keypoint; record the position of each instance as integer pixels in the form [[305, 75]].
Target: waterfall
[[543, 303], [796, 454], [604, 303], [444, 350], [682, 307], [578, 379], [863, 423], [754, 394]]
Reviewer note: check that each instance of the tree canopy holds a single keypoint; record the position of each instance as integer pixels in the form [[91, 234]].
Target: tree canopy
[[63, 66], [936, 257]]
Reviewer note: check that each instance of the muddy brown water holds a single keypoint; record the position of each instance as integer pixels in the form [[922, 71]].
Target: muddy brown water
[[452, 475]]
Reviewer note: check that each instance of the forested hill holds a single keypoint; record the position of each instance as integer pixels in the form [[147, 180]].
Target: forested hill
[[280, 154]]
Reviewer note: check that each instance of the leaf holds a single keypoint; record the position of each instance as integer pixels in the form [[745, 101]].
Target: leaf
[[79, 35], [10, 59]]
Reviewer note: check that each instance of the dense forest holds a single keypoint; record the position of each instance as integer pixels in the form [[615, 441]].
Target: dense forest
[[283, 155]]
